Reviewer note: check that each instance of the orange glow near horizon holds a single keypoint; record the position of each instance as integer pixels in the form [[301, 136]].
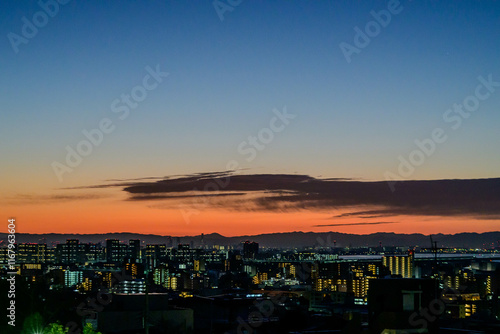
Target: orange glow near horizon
[[113, 214]]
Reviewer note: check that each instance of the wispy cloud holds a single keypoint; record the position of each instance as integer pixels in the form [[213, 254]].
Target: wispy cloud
[[355, 224], [167, 197], [36, 198]]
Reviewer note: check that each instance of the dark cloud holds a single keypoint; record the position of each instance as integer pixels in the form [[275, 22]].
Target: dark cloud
[[367, 214], [352, 224], [139, 179], [33, 199], [167, 197], [479, 198]]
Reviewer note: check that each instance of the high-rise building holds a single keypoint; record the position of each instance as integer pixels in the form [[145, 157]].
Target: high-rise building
[[72, 278], [50, 255], [31, 253], [161, 276], [154, 253], [250, 249], [135, 253], [164, 277], [260, 277], [199, 265], [95, 253], [488, 285], [108, 279], [86, 285], [134, 270], [400, 264], [116, 252], [72, 252]]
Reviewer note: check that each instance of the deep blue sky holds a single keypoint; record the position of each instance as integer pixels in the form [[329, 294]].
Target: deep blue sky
[[225, 78]]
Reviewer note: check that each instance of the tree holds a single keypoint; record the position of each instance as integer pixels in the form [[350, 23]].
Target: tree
[[55, 328], [33, 324], [88, 330]]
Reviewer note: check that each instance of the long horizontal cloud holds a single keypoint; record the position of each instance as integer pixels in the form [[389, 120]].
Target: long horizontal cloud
[[34, 199], [352, 224], [167, 197], [478, 197]]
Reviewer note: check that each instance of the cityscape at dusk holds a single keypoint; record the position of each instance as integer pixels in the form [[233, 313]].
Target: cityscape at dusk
[[194, 161], [219, 83]]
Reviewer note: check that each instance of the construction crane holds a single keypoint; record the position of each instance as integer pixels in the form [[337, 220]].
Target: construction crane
[[434, 249]]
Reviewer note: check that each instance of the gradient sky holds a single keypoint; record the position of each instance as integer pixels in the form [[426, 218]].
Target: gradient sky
[[353, 120]]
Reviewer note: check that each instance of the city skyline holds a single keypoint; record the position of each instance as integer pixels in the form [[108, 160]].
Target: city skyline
[[231, 166]]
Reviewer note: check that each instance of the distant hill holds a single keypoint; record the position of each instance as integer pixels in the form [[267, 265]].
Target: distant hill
[[282, 240]]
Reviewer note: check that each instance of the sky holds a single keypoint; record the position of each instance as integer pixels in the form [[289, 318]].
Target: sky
[[140, 92]]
